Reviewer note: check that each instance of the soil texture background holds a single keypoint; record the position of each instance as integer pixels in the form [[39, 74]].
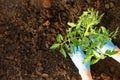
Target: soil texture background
[[29, 27]]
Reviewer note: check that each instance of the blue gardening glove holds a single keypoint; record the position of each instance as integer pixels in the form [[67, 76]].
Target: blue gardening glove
[[108, 46], [78, 58]]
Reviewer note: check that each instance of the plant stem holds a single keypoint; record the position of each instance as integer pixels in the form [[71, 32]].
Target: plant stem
[[86, 32]]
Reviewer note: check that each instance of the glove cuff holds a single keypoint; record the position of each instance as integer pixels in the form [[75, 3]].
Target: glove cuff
[[85, 67]]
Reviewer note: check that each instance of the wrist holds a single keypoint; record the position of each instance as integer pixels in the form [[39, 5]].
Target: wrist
[[84, 67], [86, 75], [116, 56]]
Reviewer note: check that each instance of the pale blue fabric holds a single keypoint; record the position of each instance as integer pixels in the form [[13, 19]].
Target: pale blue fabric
[[78, 57]]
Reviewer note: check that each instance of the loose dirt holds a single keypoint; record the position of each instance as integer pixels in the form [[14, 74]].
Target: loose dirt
[[28, 28]]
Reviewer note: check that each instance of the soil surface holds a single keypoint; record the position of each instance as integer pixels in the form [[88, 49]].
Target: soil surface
[[28, 28]]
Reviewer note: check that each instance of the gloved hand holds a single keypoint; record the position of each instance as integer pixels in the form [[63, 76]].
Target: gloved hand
[[78, 58], [108, 46]]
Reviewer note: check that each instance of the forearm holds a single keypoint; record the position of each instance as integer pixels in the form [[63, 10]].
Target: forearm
[[86, 75], [117, 56]]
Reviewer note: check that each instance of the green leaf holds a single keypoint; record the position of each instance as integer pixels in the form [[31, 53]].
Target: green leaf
[[59, 38], [103, 29], [63, 52], [89, 55], [54, 46], [94, 44], [87, 59], [97, 55], [85, 42], [69, 30], [71, 24], [66, 46], [93, 61], [75, 41], [102, 56], [109, 52], [100, 17], [115, 33]]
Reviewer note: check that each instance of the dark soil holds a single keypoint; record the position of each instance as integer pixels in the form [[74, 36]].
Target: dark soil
[[28, 28]]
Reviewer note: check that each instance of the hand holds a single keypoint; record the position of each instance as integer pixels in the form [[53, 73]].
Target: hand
[[78, 58], [108, 46]]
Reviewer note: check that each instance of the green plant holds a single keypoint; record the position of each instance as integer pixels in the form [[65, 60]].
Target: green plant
[[78, 34]]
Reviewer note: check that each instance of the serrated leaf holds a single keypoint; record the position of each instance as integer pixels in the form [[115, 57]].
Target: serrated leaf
[[59, 38], [63, 52], [115, 33], [54, 46], [109, 52]]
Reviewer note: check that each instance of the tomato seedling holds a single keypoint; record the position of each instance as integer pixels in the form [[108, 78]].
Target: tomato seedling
[[79, 34]]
